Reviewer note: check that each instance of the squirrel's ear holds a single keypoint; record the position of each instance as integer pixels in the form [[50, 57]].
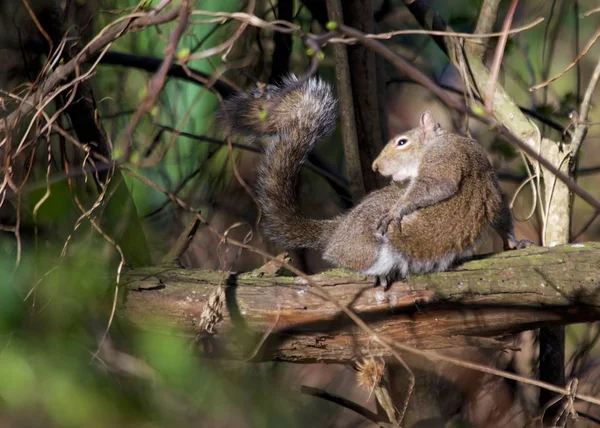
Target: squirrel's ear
[[428, 123]]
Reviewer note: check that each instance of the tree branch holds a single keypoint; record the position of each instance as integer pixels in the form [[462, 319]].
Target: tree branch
[[343, 402], [581, 126], [471, 306], [152, 64], [283, 43], [485, 23], [363, 79], [346, 106]]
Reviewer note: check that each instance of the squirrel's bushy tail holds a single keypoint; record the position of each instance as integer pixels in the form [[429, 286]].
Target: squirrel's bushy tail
[[294, 120]]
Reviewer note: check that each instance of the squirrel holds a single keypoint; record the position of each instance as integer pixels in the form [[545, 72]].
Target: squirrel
[[443, 195]]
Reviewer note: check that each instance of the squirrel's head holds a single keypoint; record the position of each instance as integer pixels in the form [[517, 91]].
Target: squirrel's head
[[401, 156]]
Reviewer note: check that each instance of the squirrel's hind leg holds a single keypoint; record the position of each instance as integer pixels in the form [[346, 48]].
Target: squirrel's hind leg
[[381, 280], [517, 244], [386, 281], [503, 224]]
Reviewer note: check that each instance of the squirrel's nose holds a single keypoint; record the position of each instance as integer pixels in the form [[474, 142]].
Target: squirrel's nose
[[374, 166]]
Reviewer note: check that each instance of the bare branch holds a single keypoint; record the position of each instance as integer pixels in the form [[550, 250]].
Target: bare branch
[[585, 50], [105, 38], [341, 401], [472, 36], [581, 125], [346, 107], [156, 84], [590, 12], [485, 22], [495, 70]]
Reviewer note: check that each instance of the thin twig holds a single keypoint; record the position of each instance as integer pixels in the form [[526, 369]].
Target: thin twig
[[344, 402], [106, 37], [495, 70], [585, 50], [581, 125], [580, 132], [228, 44], [182, 243], [287, 27], [156, 84], [37, 23], [585, 227], [337, 181], [527, 111], [387, 36], [590, 12]]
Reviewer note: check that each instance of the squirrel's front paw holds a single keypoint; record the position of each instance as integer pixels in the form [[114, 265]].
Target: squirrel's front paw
[[384, 222]]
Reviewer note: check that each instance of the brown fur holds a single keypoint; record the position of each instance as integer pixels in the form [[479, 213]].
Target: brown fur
[[354, 243], [456, 223], [452, 221]]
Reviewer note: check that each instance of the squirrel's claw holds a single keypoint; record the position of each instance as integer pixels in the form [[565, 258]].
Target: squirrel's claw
[[523, 243], [514, 244], [384, 222]]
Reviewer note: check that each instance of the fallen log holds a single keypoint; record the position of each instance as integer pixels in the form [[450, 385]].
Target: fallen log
[[282, 318]]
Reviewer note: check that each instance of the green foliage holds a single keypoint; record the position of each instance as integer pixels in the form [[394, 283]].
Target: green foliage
[[145, 4], [183, 53], [58, 212], [188, 107], [331, 25], [53, 313], [123, 224]]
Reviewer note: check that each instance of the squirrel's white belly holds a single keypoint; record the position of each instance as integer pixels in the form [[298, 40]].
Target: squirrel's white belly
[[389, 261]]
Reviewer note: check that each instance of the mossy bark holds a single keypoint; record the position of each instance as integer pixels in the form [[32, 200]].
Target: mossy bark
[[284, 318]]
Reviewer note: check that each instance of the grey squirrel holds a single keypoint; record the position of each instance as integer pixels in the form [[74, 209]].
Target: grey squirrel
[[443, 194]]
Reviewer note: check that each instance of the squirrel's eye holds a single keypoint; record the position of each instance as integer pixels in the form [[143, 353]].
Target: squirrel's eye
[[402, 141]]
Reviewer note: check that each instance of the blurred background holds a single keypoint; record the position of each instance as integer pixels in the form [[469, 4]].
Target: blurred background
[[58, 272]]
